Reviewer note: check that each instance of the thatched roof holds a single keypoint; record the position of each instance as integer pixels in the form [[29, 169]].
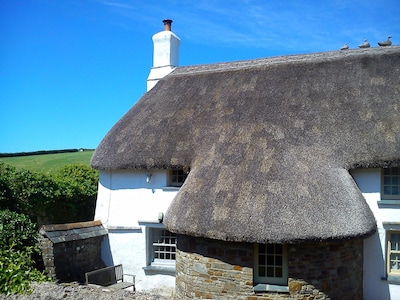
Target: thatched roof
[[269, 143]]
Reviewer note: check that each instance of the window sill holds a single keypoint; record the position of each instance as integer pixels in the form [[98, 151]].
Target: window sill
[[170, 188], [392, 279], [124, 228], [262, 288], [167, 269], [391, 203]]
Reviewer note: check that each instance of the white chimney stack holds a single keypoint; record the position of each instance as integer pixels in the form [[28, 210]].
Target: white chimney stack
[[166, 54]]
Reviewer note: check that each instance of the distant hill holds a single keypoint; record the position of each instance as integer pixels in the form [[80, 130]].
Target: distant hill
[[48, 162]]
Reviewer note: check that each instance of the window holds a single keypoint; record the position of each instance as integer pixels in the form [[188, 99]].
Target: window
[[271, 264], [160, 249], [391, 183], [393, 254], [164, 245], [177, 177]]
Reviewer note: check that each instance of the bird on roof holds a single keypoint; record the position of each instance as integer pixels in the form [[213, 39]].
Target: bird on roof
[[388, 42], [345, 47], [365, 44]]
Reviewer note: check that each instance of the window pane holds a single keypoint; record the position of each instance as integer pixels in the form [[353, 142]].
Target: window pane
[[261, 271], [386, 190], [261, 259], [270, 272], [393, 246], [395, 241], [270, 248], [279, 261], [395, 190], [270, 260], [395, 263], [386, 180], [278, 249], [278, 272], [261, 248]]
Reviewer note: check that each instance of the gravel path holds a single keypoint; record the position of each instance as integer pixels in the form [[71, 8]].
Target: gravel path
[[74, 291]]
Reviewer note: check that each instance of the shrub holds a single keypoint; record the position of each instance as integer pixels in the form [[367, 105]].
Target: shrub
[[76, 199], [17, 271], [18, 246], [24, 191], [16, 230]]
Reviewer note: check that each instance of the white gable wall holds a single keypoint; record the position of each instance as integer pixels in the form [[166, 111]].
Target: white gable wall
[[124, 199], [369, 182]]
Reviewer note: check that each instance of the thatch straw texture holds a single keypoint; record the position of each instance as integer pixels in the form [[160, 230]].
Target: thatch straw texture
[[269, 143]]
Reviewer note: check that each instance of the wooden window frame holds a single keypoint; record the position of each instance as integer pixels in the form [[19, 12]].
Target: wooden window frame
[[262, 260], [388, 181], [392, 273], [177, 177]]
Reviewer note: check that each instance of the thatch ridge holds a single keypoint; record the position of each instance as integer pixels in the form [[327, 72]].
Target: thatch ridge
[[269, 143]]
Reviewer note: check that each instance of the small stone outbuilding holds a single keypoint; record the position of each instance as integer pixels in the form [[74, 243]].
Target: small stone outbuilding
[[71, 250]]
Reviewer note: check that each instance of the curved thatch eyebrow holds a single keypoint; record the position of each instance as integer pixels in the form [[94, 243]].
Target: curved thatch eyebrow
[[269, 143]]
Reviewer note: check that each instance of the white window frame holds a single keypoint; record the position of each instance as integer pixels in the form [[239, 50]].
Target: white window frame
[[388, 181], [153, 264], [392, 248], [262, 278]]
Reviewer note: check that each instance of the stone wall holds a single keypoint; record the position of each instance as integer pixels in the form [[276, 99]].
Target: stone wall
[[69, 261], [210, 269], [336, 268]]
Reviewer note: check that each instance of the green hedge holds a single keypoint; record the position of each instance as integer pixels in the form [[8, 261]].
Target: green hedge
[[68, 196]]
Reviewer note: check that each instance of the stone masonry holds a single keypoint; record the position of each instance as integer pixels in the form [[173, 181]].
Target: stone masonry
[[71, 250], [212, 269]]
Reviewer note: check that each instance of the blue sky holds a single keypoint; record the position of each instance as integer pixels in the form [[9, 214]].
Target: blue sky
[[69, 69]]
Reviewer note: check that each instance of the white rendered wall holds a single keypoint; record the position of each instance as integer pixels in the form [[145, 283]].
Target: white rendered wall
[[369, 182], [124, 199]]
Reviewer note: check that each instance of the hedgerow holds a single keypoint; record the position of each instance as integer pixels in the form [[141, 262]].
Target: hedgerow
[[68, 196], [29, 199]]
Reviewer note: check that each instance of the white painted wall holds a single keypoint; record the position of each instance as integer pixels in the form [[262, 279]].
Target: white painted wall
[[369, 182], [124, 199]]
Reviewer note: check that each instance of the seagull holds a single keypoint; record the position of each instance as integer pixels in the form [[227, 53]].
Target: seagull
[[388, 42], [365, 44], [345, 47]]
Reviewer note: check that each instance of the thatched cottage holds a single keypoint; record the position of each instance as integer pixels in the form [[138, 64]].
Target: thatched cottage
[[273, 177]]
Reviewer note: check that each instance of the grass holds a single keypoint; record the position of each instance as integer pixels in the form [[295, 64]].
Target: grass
[[49, 163]]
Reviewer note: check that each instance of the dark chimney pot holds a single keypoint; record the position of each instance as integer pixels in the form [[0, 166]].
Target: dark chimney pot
[[167, 24]]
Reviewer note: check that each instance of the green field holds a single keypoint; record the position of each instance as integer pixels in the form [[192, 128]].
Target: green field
[[49, 163]]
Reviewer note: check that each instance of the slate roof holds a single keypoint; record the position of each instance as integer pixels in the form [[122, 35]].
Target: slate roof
[[269, 143], [72, 231]]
